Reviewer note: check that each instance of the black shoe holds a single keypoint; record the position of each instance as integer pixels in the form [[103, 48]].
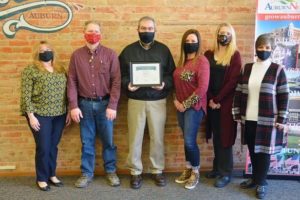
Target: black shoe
[[58, 184], [212, 174], [46, 188], [247, 184], [136, 181], [261, 191], [159, 179], [222, 181]]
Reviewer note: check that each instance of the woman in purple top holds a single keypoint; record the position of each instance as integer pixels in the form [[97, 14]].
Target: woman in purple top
[[191, 82], [225, 66]]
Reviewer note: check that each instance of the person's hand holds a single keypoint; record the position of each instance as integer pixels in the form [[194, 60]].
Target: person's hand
[[213, 105], [111, 114], [132, 88], [160, 87], [76, 114], [179, 106], [279, 126], [238, 121], [68, 119], [34, 122]]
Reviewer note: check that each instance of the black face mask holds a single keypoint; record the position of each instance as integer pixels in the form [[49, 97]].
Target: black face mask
[[146, 37], [263, 55], [46, 56], [224, 39], [190, 47]]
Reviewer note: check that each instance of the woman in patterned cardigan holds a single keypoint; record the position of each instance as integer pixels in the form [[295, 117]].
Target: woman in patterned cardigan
[[261, 106], [43, 102]]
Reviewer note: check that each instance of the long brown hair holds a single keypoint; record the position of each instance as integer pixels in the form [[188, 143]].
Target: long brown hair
[[183, 56], [58, 68], [230, 48]]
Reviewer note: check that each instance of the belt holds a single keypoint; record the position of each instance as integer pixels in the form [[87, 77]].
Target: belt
[[95, 98]]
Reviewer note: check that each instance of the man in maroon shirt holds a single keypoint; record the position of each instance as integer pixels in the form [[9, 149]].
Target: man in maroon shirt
[[93, 94]]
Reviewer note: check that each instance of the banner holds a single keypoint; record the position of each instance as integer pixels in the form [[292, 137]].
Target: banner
[[281, 18]]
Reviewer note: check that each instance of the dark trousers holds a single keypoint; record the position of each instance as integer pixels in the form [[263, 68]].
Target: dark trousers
[[223, 160], [260, 161], [46, 140]]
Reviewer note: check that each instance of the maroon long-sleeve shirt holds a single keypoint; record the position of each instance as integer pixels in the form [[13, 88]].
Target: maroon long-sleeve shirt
[[225, 98], [94, 74], [192, 79]]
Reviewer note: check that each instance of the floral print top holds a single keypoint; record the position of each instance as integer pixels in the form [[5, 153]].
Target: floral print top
[[43, 93]]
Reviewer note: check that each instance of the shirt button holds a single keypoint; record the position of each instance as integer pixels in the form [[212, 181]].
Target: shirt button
[[92, 66], [93, 84], [92, 75]]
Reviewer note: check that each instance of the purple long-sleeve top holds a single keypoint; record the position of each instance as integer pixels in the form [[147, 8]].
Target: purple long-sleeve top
[[94, 74]]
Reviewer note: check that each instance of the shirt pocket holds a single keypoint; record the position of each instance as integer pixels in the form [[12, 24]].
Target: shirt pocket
[[104, 68]]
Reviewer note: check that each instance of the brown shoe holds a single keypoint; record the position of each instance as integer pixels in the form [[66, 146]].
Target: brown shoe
[[136, 181], [159, 179]]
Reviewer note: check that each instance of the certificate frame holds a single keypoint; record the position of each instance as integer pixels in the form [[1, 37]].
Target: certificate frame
[[145, 74]]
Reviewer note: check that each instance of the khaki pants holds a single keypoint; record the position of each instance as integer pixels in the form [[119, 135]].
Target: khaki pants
[[155, 114]]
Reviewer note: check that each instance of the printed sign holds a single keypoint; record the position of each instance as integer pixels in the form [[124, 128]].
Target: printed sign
[[27, 13], [281, 18]]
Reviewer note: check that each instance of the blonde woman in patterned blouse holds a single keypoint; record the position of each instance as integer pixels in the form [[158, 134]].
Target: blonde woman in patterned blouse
[[43, 102]]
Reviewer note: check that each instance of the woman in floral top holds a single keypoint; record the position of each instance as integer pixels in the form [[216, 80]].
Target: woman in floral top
[[43, 102], [191, 79]]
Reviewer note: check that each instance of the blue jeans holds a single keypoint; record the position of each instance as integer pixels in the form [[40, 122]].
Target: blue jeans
[[189, 122], [93, 123], [46, 140]]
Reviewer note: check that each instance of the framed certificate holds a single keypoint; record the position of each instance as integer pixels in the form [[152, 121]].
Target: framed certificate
[[145, 74]]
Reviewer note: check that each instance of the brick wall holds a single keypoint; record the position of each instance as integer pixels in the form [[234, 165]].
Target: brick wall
[[119, 21]]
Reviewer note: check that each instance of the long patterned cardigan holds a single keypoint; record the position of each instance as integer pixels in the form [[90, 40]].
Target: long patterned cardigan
[[272, 107]]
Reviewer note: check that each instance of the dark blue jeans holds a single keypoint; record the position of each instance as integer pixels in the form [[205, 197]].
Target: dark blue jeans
[[46, 140], [94, 123], [189, 122]]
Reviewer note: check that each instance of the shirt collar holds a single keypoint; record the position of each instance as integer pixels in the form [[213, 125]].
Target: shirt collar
[[265, 62], [152, 43], [95, 52]]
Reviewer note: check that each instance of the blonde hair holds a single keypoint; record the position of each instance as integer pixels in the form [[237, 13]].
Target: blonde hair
[[230, 48], [36, 59], [183, 56]]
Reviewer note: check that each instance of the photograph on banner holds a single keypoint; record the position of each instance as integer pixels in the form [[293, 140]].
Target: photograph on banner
[[281, 19]]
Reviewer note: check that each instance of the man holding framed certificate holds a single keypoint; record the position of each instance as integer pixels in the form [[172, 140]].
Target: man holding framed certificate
[[146, 69]]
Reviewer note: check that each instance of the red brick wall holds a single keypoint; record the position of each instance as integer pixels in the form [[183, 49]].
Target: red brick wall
[[119, 21]]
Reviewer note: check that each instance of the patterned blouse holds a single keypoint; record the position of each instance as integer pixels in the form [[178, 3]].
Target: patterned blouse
[[43, 93]]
